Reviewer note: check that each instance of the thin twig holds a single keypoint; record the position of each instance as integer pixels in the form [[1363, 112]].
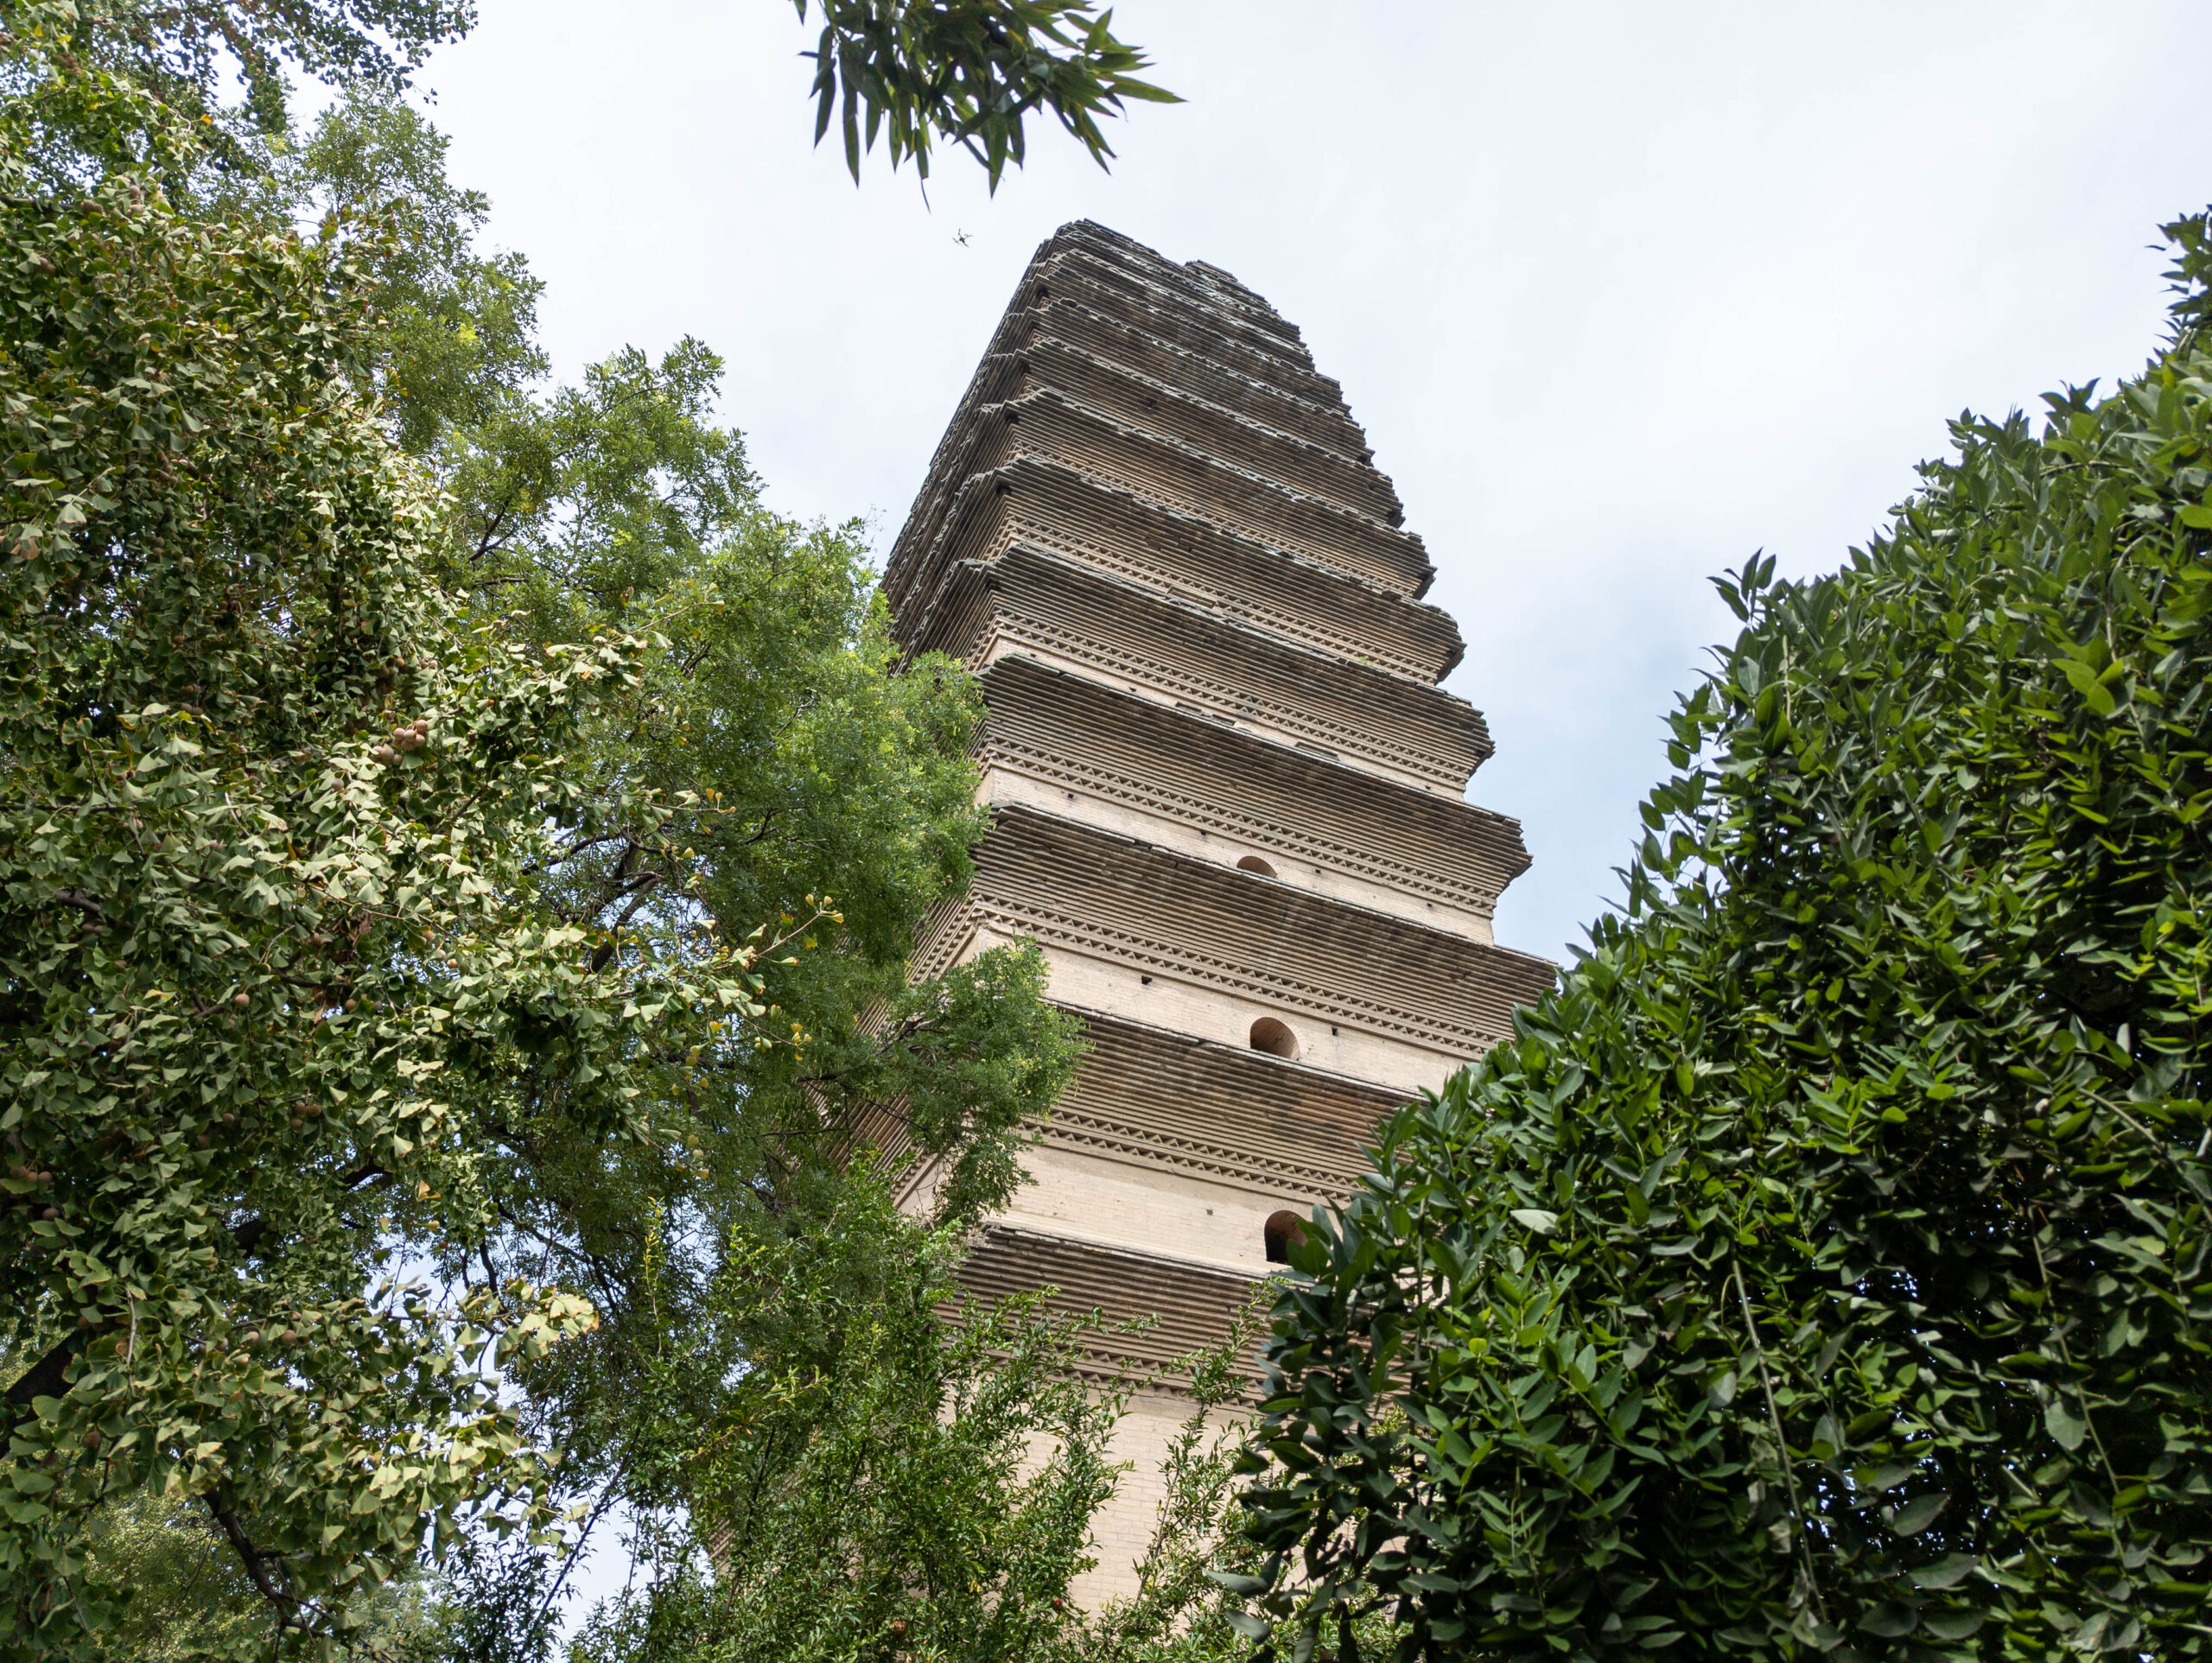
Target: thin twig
[[568, 1563], [1780, 1438], [2058, 1333]]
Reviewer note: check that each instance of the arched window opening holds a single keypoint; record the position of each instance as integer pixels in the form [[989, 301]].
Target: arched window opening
[[1273, 1037], [1252, 863], [1283, 1229]]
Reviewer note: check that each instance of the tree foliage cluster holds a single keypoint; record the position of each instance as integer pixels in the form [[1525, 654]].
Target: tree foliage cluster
[[965, 73], [969, 72], [424, 794], [266, 809], [1824, 1268], [885, 1485], [191, 1598], [868, 1488], [177, 53]]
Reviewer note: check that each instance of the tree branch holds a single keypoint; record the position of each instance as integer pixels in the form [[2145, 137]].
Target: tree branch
[[84, 903], [45, 1378], [606, 951], [257, 1563]]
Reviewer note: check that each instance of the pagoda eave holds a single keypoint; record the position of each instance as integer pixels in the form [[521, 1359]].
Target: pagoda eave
[[1055, 609]]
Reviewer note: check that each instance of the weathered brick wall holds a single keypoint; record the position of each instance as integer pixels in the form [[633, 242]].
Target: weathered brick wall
[[1228, 792]]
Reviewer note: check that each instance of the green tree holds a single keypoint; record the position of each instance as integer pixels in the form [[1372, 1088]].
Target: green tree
[[871, 1484], [190, 1597], [366, 920], [538, 930], [177, 54], [798, 760], [791, 756], [268, 958], [1824, 1268], [1191, 1603], [453, 340], [965, 72], [969, 72], [883, 1482]]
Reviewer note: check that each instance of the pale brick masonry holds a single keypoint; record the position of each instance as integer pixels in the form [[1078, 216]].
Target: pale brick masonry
[[1228, 793]]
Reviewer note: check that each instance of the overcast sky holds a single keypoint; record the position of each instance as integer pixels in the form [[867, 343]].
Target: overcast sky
[[1621, 293]]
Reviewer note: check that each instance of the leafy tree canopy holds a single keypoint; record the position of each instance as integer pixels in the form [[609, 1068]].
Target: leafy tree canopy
[[966, 72], [400, 755], [269, 962], [873, 1484], [799, 766], [1824, 1267], [454, 338], [191, 1599], [808, 779], [179, 55], [882, 1483], [969, 72], [378, 867]]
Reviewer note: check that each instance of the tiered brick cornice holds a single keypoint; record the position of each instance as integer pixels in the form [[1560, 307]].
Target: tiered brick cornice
[[1033, 298], [1220, 345], [1083, 736], [1125, 257], [1282, 456], [1225, 793], [1309, 408], [1233, 316], [1177, 474], [1213, 665], [1115, 898], [1052, 506], [1070, 282], [1154, 1097], [1159, 1098], [1184, 1308]]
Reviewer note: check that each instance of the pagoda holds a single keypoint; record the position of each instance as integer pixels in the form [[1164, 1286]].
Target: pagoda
[[1227, 793]]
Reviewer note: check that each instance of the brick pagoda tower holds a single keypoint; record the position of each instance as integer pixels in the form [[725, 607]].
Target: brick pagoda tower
[[1227, 790]]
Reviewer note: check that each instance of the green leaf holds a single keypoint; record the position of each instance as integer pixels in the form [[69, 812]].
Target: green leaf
[[1951, 1569], [1887, 1476], [2065, 1426], [1903, 1011], [1235, 1583], [2087, 682], [1916, 1515], [1889, 1619], [1950, 1625]]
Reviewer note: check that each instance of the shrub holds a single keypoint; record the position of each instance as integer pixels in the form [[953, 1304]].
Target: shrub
[[1823, 1268]]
